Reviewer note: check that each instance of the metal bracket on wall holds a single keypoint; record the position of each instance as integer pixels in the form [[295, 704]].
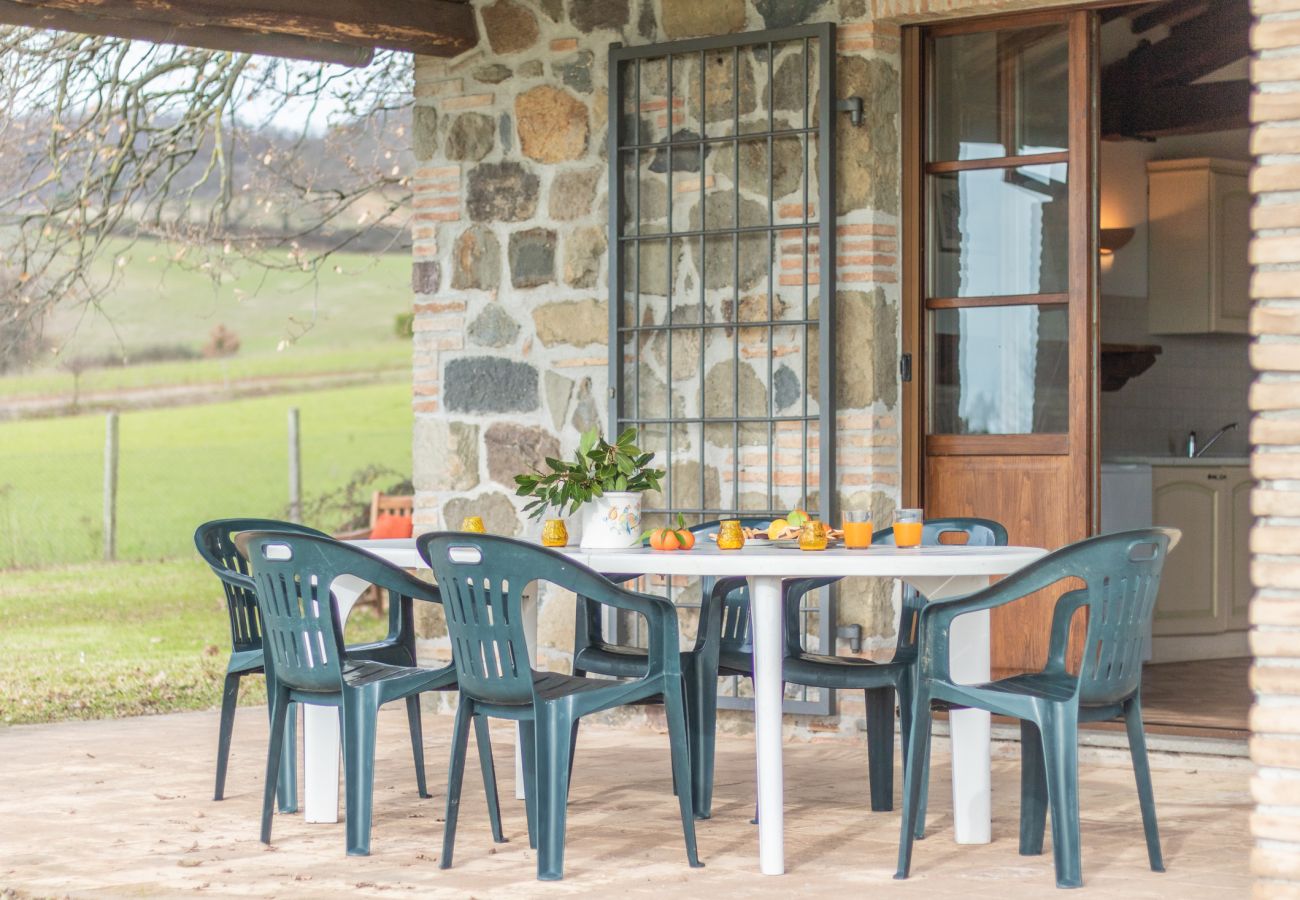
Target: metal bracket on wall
[[852, 106]]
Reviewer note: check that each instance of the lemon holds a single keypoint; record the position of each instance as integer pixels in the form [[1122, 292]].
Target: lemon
[[777, 526]]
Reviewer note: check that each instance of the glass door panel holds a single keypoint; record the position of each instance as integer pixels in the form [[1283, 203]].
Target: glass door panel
[[995, 232], [1000, 93], [999, 370]]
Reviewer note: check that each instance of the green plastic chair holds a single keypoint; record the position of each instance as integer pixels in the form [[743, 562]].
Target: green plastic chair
[[482, 578], [216, 544], [880, 682], [310, 664], [1121, 574], [723, 648]]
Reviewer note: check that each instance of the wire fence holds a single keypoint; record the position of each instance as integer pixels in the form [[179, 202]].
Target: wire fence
[[181, 466]]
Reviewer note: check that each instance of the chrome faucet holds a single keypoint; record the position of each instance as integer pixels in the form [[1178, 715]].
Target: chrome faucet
[[1193, 451]]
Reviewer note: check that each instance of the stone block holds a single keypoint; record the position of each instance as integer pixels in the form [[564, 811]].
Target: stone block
[[424, 132], [444, 455], [510, 26], [496, 510], [787, 166], [786, 391], [579, 323], [516, 449], [731, 391], [532, 257], [866, 348], [583, 250], [573, 192], [426, 276], [493, 327], [490, 384], [590, 15], [585, 413], [575, 71], [553, 124], [477, 260], [470, 137], [559, 389], [694, 18], [494, 73], [783, 13], [501, 192], [646, 26]]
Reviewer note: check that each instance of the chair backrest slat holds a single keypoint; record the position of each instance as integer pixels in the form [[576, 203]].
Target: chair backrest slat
[[215, 541], [293, 574], [1122, 576], [482, 579], [482, 584]]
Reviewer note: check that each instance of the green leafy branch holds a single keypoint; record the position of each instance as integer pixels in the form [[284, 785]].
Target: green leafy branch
[[597, 467]]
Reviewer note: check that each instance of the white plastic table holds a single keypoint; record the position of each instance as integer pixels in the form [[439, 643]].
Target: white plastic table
[[937, 572]]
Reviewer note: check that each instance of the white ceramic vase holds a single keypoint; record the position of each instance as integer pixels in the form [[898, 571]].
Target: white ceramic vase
[[612, 521]]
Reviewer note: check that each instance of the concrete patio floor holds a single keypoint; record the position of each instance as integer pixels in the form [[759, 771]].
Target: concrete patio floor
[[124, 807]]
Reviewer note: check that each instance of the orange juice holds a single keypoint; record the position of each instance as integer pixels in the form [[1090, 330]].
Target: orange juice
[[907, 534], [857, 534]]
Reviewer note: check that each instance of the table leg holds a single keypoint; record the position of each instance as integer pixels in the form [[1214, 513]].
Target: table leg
[[320, 732], [969, 728], [766, 619]]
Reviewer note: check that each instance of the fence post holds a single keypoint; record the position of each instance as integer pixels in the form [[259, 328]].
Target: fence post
[[295, 467], [110, 487]]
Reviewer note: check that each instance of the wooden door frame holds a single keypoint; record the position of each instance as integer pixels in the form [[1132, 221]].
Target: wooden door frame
[[1083, 260]]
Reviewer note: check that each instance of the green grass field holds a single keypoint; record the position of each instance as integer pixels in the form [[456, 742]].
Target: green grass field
[[96, 641], [156, 301], [390, 356], [288, 323], [181, 466]]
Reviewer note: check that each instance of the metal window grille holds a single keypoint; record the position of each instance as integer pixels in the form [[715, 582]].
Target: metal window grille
[[721, 190]]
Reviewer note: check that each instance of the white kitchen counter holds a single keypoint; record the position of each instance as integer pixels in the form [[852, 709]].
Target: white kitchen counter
[[1180, 460]]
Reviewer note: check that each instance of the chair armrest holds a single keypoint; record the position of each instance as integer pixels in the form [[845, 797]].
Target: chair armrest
[[1067, 605], [383, 574], [663, 652], [356, 534], [935, 618]]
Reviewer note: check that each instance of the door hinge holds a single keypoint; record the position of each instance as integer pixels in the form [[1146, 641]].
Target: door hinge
[[905, 367]]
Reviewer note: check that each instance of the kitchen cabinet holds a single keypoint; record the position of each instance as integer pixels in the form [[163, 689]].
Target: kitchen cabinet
[[1205, 587], [1199, 229]]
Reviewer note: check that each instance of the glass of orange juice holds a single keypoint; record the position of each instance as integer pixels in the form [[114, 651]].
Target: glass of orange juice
[[907, 528], [857, 529]]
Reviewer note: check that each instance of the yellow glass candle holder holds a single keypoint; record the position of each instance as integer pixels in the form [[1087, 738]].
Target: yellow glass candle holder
[[555, 533], [813, 536], [474, 524], [730, 535]]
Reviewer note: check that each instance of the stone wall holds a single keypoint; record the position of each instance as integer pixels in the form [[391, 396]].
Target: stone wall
[[510, 219], [1275, 462]]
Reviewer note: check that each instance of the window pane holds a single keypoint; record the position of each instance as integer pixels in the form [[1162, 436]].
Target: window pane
[[995, 232], [999, 370], [1000, 93]]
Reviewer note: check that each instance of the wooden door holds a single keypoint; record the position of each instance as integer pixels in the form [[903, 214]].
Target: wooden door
[[999, 318]]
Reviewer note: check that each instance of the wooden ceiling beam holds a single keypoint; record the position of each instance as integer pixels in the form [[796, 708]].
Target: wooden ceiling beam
[[1170, 13], [290, 46], [430, 27], [1176, 109], [1199, 46]]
